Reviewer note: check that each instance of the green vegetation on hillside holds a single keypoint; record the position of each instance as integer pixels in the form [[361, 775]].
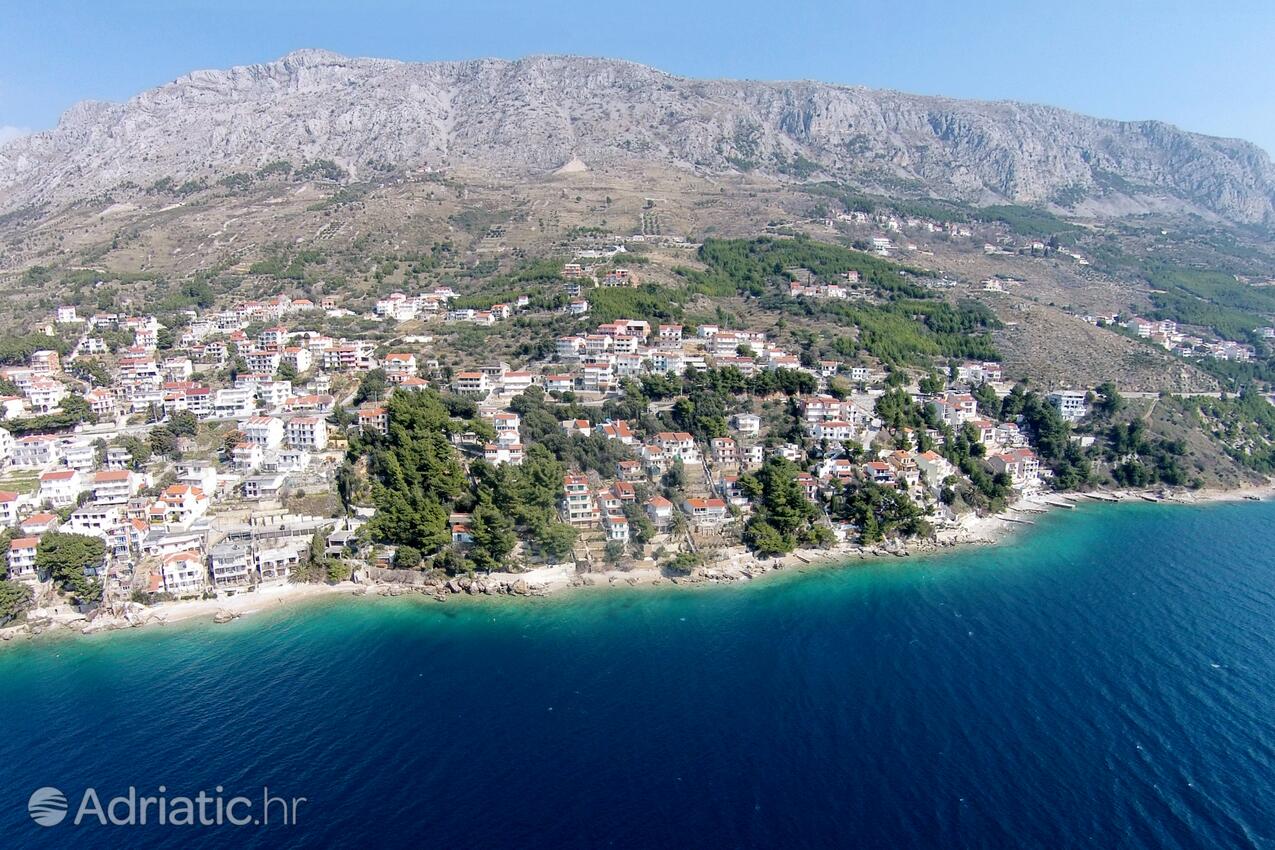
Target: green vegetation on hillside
[[1243, 424], [649, 302], [15, 598], [1209, 299], [880, 512], [751, 266], [417, 474], [287, 265], [1026, 221], [914, 332], [1215, 301], [418, 481], [905, 323], [66, 558], [541, 281], [1050, 434], [783, 517], [17, 349], [1138, 460], [936, 209]]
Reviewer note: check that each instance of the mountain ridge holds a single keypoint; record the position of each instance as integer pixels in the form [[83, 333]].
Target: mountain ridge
[[527, 117]]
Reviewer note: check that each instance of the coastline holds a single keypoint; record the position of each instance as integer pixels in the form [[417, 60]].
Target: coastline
[[734, 565]]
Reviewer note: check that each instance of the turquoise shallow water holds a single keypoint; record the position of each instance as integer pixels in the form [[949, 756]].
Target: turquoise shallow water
[[1105, 680]]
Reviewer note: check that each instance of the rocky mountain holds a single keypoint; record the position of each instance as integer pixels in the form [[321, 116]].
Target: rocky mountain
[[532, 116]]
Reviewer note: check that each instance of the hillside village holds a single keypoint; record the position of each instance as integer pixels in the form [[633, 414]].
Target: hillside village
[[245, 449]]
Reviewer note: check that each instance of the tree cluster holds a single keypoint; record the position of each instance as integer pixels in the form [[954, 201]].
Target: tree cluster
[[782, 516]]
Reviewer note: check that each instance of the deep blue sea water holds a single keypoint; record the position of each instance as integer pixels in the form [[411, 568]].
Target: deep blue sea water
[[1107, 680]]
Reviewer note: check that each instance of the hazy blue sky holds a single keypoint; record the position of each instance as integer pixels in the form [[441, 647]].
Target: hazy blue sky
[[1204, 66]]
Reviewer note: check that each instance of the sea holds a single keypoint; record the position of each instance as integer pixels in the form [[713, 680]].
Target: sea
[[1104, 679]]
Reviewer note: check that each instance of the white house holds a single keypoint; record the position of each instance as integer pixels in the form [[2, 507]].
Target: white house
[[114, 486], [1070, 403], [184, 573], [472, 384], [616, 527], [678, 444], [264, 431], [705, 513], [498, 453], [231, 565], [747, 424], [398, 366], [1021, 465], [200, 474], [934, 466], [956, 408], [94, 520], [80, 454], [264, 486], [276, 563], [37, 450], [832, 429], [298, 358], [246, 456], [234, 403], [178, 506], [578, 503], [22, 557], [516, 382], [8, 508], [60, 488], [660, 511], [101, 402], [308, 432]]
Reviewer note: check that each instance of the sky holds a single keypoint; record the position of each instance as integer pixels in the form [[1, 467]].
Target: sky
[[1204, 67]]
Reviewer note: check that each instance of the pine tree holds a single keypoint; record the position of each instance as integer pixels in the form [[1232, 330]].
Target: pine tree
[[493, 534]]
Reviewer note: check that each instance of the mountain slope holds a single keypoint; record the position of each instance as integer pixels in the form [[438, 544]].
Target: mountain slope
[[533, 115]]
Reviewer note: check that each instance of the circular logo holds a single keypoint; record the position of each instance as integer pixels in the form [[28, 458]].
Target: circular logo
[[47, 806]]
